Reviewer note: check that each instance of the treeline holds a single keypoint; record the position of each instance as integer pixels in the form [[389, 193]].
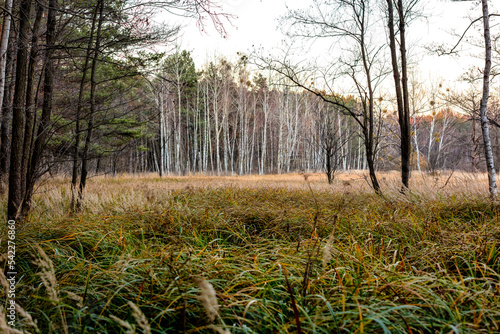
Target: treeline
[[225, 119]]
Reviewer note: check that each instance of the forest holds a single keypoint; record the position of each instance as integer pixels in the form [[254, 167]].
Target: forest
[[144, 191]]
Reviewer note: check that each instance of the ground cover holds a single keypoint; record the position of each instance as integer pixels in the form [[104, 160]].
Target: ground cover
[[260, 254]]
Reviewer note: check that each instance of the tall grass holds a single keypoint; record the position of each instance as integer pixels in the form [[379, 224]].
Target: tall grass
[[275, 254]]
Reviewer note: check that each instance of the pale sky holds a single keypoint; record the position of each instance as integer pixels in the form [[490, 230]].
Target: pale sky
[[256, 25]]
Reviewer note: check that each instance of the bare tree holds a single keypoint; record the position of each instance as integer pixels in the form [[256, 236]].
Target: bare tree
[[401, 79], [490, 164], [483, 107], [331, 141], [349, 21]]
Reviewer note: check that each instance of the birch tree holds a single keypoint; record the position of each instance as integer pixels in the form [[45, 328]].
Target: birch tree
[[483, 113], [483, 107]]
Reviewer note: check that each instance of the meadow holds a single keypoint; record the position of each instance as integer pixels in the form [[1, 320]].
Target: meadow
[[259, 254]]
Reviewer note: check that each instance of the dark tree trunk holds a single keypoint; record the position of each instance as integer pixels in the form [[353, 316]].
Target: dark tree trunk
[[7, 114], [29, 126], [76, 149], [370, 159], [45, 120], [405, 118], [16, 154], [95, 59], [329, 168], [401, 86]]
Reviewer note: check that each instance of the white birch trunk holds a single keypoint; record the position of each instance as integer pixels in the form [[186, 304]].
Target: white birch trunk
[[264, 135], [431, 138], [3, 46], [162, 133], [490, 164]]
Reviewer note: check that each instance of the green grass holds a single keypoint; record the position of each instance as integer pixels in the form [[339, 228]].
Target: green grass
[[277, 259]]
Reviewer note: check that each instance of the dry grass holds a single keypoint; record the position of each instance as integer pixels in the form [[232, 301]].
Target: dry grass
[[262, 254], [143, 191]]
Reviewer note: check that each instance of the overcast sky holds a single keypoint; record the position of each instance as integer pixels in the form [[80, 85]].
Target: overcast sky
[[256, 25]]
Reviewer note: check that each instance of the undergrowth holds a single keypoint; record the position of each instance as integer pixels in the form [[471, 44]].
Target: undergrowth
[[261, 260]]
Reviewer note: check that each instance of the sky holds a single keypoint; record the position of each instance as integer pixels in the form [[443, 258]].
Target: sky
[[256, 25]]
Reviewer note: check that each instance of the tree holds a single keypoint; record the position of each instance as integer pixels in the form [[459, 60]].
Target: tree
[[7, 112], [483, 107], [17, 155], [4, 45], [45, 121], [331, 141], [483, 112], [401, 80], [351, 22]]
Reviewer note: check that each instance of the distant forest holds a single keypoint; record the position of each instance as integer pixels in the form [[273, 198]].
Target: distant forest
[[225, 119]]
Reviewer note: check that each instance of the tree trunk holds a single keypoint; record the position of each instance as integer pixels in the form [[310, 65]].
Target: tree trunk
[[76, 148], [30, 111], [4, 46], [95, 59], [484, 103], [16, 153], [48, 88], [401, 85], [7, 113]]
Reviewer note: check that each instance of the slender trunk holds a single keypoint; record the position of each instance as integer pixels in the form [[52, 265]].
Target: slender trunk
[[417, 150], [29, 125], [4, 44], [205, 133], [401, 85], [83, 176], [280, 134], [430, 164], [7, 114], [215, 106], [342, 148], [484, 104], [370, 157], [196, 129], [264, 135], [48, 87], [474, 142], [161, 110], [329, 169], [405, 127], [76, 148], [225, 124], [358, 167], [441, 139], [368, 120], [179, 124], [252, 145], [16, 154]]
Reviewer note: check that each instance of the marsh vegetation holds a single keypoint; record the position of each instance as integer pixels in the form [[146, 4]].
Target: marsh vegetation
[[268, 254]]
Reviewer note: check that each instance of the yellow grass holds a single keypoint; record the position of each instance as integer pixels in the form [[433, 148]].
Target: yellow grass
[[127, 191]]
